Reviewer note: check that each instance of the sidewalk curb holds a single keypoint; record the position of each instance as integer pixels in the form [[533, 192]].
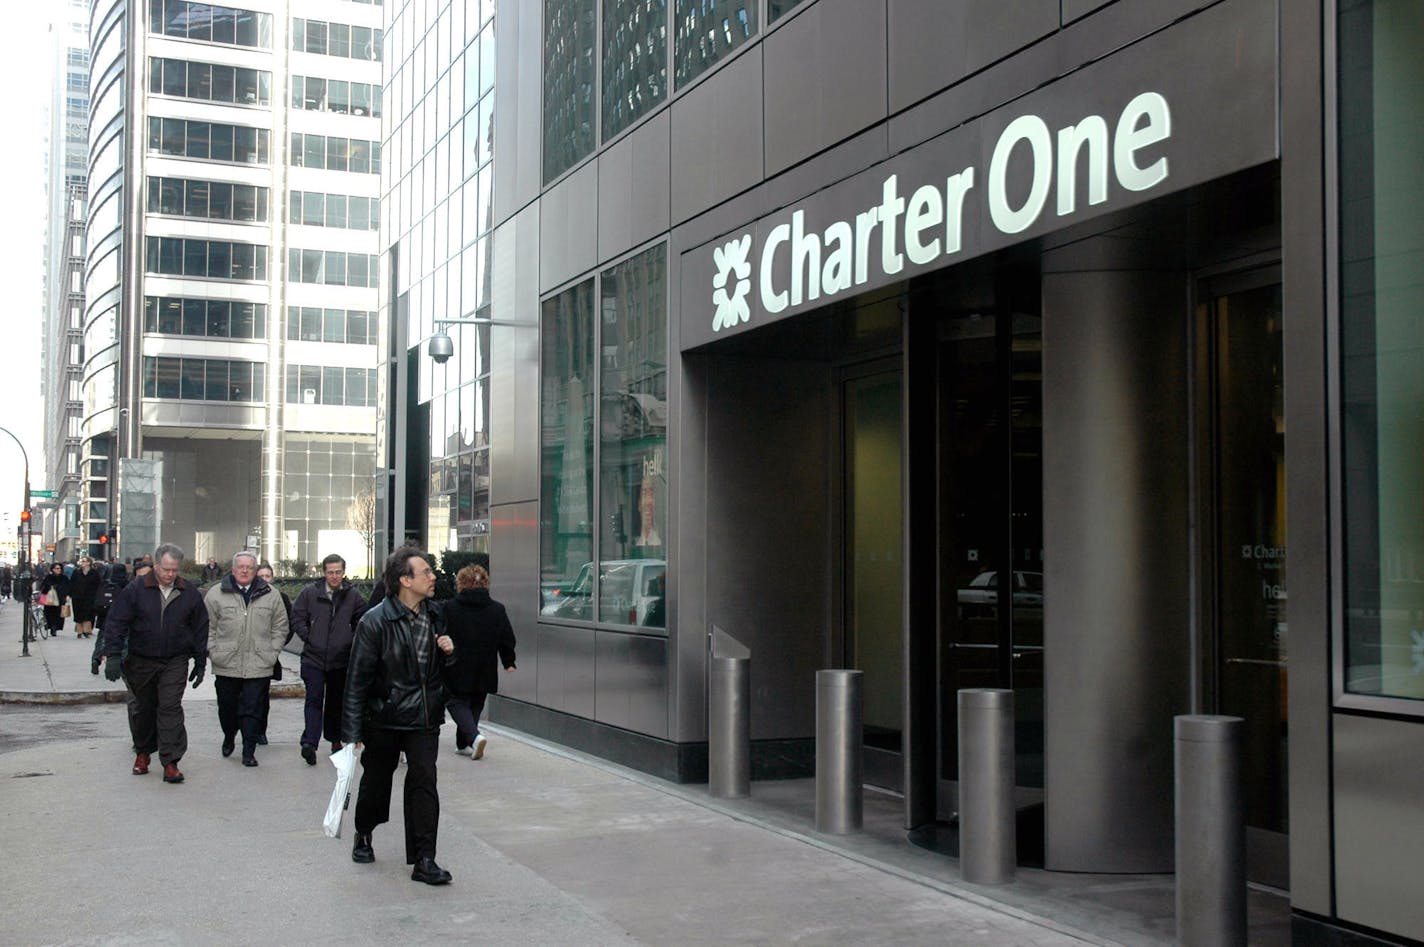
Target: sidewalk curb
[[75, 698]]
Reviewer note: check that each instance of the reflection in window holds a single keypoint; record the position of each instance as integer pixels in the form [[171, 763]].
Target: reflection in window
[[314, 324], [315, 94], [205, 259], [634, 61], [336, 39], [776, 8], [335, 154], [207, 200], [331, 267], [333, 210], [209, 318], [209, 82], [198, 379], [209, 23], [632, 427], [566, 461], [569, 30], [1382, 345], [313, 384], [209, 140], [706, 31]]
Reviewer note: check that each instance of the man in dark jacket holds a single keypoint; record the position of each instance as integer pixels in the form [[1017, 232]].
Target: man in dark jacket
[[324, 616], [156, 625], [482, 634], [395, 702]]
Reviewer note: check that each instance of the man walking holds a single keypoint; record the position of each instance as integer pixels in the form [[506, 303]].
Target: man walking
[[249, 627], [394, 703], [155, 626], [324, 616]]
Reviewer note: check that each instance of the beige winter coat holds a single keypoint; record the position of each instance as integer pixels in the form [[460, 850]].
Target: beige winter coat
[[245, 639]]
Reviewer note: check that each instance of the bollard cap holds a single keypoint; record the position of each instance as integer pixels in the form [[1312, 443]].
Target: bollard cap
[[838, 677], [1207, 728], [990, 697]]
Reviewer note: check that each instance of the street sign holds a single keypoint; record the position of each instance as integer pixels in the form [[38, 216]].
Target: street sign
[[47, 494]]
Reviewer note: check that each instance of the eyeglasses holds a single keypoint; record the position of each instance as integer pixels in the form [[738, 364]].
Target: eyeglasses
[[422, 573]]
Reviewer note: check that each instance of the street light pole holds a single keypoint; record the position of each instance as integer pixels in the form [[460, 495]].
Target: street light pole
[[26, 631]]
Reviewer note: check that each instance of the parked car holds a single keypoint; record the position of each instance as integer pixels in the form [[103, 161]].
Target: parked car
[[631, 592], [980, 597]]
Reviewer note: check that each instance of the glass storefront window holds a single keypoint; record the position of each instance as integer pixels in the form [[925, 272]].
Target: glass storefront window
[[566, 413], [634, 61], [569, 92], [706, 31], [633, 440], [1382, 346]]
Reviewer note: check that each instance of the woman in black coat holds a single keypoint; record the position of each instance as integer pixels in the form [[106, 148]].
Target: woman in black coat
[[54, 614], [482, 634], [84, 587]]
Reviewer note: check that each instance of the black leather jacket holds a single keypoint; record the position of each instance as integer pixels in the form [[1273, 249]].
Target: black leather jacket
[[386, 686]]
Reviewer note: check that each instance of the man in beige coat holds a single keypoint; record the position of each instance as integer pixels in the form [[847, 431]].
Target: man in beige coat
[[247, 626]]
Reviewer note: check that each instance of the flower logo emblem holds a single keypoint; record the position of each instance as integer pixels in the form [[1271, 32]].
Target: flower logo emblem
[[731, 259]]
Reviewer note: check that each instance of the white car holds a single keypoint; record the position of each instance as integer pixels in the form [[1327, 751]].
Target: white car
[[631, 592], [980, 597]]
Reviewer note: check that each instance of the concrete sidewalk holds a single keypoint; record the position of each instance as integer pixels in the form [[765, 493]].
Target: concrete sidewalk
[[57, 669], [547, 846]]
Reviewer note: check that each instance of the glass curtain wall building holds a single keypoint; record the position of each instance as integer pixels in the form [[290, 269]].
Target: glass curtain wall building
[[230, 383], [436, 178], [68, 524], [1069, 347]]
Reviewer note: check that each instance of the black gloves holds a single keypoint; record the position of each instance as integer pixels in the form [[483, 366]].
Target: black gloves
[[199, 664], [113, 667]]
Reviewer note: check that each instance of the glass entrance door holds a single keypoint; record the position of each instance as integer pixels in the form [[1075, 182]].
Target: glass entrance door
[[991, 529], [1242, 322], [874, 567]]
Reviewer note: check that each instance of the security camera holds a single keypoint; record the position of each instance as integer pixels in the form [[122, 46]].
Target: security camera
[[440, 348]]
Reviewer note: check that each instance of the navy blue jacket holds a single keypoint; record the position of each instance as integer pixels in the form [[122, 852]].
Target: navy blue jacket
[[139, 621], [326, 623]]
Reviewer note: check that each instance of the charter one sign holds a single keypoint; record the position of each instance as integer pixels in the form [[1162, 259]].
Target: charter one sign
[[795, 266]]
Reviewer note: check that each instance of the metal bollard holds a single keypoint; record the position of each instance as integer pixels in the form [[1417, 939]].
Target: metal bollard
[[988, 840], [840, 767], [1211, 831], [729, 729]]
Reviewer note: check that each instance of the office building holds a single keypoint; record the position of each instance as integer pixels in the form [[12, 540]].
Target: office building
[[62, 340], [230, 375], [1066, 347]]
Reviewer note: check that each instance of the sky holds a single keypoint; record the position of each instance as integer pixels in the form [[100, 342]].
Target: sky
[[25, 68]]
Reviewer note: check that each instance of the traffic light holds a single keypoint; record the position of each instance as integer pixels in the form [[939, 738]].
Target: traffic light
[[24, 516], [103, 539]]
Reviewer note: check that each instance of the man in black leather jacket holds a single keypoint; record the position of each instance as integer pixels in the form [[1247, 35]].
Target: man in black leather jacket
[[395, 702]]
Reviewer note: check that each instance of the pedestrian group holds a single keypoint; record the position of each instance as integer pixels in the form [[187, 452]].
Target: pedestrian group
[[379, 673]]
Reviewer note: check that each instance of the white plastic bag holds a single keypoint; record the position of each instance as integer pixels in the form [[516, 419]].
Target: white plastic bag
[[344, 760]]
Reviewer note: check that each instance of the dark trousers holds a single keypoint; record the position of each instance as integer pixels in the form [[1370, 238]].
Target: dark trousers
[[465, 711], [422, 799], [54, 618], [156, 705], [240, 707], [323, 706]]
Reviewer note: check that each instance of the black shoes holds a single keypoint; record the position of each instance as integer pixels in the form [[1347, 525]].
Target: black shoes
[[427, 871], [309, 754], [361, 850], [249, 755], [229, 742], [261, 739], [93, 667]]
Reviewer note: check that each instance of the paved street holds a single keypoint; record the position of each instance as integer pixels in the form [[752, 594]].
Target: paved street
[[546, 847]]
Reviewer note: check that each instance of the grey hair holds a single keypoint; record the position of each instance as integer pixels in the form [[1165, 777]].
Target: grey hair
[[244, 554], [168, 551]]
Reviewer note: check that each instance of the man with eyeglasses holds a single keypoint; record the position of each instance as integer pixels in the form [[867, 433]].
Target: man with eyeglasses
[[395, 702], [324, 616], [249, 627], [157, 623]]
